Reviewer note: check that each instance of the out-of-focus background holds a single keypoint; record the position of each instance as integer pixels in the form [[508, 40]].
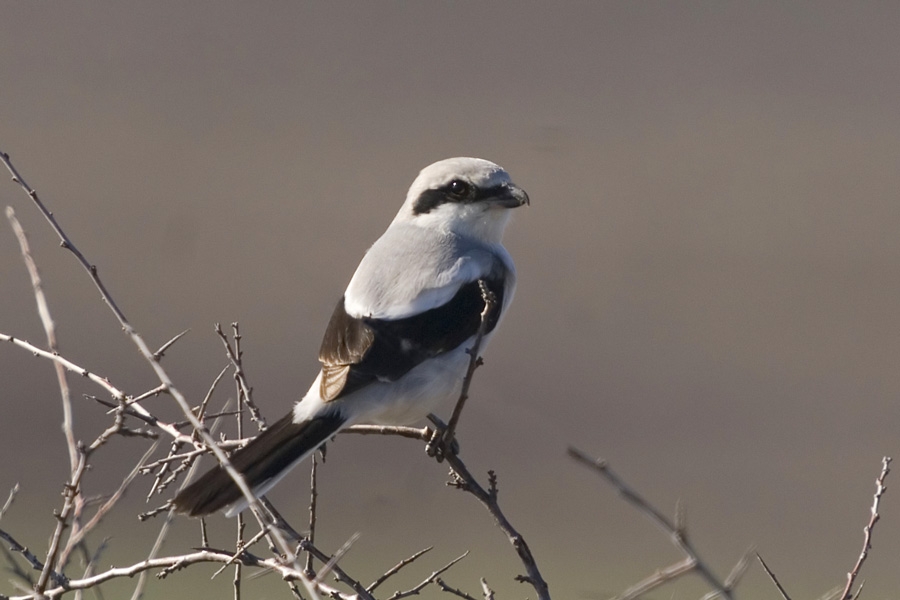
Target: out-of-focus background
[[709, 270]]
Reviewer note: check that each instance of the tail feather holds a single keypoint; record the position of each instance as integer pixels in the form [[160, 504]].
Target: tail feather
[[262, 462]]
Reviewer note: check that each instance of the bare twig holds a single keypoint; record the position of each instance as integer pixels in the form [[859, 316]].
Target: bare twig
[[33, 560], [239, 542], [415, 433], [204, 534], [90, 561], [154, 551], [845, 592], [186, 456], [675, 531], [867, 540], [236, 582], [162, 349], [313, 498], [305, 545], [241, 548], [148, 355], [428, 580], [25, 580], [486, 590], [80, 531], [658, 578], [235, 355], [393, 570], [336, 558], [167, 523], [451, 590], [774, 579], [50, 330], [118, 426], [201, 410], [339, 573], [148, 394], [281, 523], [136, 410], [169, 565], [9, 500], [464, 480], [72, 489], [101, 381], [737, 572], [64, 240], [475, 361]]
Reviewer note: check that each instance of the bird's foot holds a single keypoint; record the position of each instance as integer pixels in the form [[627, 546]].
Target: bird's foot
[[440, 445]]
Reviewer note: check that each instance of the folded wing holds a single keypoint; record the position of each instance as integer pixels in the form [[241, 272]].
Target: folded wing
[[357, 351]]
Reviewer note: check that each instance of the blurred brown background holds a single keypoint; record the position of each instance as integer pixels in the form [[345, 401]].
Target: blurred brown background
[[709, 271]]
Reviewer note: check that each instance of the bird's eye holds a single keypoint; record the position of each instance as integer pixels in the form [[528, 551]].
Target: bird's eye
[[459, 188]]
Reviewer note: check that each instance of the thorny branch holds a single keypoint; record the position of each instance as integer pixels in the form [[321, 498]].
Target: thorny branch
[[313, 500], [169, 565], [396, 568], [774, 579], [62, 523], [243, 395], [867, 541], [464, 480], [675, 531], [29, 556], [162, 349], [305, 545], [428, 580], [155, 365], [148, 355], [134, 409], [845, 592], [451, 590], [475, 361], [236, 355]]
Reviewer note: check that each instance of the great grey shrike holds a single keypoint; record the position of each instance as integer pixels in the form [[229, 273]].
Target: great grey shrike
[[396, 345]]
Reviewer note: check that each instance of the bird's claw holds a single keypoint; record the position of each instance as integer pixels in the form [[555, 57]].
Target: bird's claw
[[439, 446]]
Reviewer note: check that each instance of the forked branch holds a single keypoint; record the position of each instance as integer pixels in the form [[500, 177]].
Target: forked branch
[[676, 532]]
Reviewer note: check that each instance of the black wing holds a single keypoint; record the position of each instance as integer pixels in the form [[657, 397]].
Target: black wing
[[358, 351]]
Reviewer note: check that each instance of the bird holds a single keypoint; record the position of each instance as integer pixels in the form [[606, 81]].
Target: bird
[[397, 343]]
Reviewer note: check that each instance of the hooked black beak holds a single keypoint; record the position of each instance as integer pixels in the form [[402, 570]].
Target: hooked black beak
[[511, 196]]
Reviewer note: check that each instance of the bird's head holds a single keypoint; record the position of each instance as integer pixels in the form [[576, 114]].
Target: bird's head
[[467, 196]]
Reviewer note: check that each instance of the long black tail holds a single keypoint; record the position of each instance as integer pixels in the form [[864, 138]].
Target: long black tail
[[262, 462]]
